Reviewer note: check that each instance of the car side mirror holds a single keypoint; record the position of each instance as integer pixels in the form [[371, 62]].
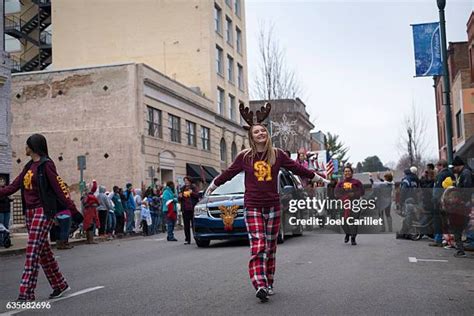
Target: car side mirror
[[287, 189], [201, 194]]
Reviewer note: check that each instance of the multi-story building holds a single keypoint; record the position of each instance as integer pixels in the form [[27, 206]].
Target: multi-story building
[[289, 123], [27, 26], [318, 141], [130, 121], [198, 43], [5, 115], [461, 77]]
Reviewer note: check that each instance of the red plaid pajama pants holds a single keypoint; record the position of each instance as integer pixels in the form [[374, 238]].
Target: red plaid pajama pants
[[262, 225], [38, 252]]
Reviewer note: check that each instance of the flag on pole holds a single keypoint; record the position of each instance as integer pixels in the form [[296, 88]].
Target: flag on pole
[[427, 43], [329, 165]]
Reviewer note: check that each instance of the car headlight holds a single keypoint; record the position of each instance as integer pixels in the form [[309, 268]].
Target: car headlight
[[200, 210]]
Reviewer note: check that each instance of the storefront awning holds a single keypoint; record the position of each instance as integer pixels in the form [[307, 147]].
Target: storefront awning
[[211, 171], [193, 171]]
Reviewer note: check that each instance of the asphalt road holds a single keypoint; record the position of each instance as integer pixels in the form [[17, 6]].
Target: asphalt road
[[317, 274]]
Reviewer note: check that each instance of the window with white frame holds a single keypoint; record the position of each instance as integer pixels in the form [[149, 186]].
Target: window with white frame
[[174, 123], [191, 133], [230, 69], [220, 101], [219, 61], [223, 150], [229, 30], [218, 19], [237, 7], [232, 107], [205, 138], [154, 122], [240, 77], [238, 40]]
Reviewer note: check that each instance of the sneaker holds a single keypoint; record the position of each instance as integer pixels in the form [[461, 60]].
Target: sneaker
[[58, 293], [435, 244], [449, 247], [262, 294], [270, 291], [346, 239], [460, 254], [353, 243]]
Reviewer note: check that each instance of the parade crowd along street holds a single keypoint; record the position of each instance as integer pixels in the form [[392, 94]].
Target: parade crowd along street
[[437, 205]]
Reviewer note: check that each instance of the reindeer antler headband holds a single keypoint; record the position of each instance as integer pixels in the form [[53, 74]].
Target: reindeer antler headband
[[262, 114]]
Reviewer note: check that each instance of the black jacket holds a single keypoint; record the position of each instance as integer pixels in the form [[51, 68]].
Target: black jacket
[[49, 200], [5, 204]]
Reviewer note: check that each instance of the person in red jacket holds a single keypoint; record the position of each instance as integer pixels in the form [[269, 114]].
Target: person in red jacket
[[43, 193], [261, 164], [91, 215]]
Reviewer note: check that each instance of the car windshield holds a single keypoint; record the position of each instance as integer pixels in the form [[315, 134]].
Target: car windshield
[[234, 186]]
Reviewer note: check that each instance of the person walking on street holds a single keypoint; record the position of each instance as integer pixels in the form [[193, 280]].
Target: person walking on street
[[41, 189], [169, 208], [383, 192], [188, 197], [349, 189], [261, 164]]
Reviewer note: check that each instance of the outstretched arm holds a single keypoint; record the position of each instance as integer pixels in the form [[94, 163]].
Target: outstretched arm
[[298, 169], [13, 187], [232, 171]]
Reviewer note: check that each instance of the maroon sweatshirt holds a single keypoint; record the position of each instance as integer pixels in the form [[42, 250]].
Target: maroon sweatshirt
[[261, 179], [28, 180]]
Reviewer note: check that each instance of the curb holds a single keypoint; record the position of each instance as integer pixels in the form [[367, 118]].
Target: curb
[[20, 251]]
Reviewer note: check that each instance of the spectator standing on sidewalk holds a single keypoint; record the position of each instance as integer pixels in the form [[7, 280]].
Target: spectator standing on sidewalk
[[103, 209], [459, 218], [443, 180], [383, 191], [129, 209], [5, 207], [138, 209], [118, 211], [91, 216], [169, 202]]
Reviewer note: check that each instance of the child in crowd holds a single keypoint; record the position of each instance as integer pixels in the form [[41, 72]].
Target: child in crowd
[[145, 217]]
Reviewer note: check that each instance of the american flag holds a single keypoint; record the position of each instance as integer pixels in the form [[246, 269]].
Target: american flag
[[329, 165]]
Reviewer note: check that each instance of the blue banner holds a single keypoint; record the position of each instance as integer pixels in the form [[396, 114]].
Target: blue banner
[[426, 38]]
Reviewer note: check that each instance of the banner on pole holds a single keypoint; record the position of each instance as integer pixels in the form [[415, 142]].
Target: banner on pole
[[427, 43]]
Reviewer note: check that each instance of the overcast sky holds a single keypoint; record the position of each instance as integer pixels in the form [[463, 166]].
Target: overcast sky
[[355, 61]]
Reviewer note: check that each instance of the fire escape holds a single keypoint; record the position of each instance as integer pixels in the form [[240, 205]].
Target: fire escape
[[29, 27]]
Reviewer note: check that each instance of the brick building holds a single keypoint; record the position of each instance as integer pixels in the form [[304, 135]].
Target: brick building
[[461, 77], [290, 124]]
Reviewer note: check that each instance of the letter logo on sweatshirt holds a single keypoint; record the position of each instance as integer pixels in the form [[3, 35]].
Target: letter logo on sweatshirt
[[263, 171], [27, 180]]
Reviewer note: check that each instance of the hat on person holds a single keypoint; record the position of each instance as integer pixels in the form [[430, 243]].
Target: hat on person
[[457, 161], [413, 169]]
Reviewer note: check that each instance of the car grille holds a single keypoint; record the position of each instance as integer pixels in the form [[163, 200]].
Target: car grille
[[214, 212], [213, 230]]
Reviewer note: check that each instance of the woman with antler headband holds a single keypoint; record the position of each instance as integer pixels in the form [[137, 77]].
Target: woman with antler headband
[[261, 164]]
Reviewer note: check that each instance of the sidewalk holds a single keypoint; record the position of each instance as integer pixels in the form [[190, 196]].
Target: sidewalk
[[19, 241]]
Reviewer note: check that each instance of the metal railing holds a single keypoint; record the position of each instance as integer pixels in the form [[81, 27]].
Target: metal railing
[[13, 23], [46, 38]]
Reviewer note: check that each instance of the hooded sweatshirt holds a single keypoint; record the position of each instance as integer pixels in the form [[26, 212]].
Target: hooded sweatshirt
[[104, 202]]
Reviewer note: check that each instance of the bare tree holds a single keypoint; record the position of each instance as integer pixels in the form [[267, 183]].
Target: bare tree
[[274, 79], [413, 144]]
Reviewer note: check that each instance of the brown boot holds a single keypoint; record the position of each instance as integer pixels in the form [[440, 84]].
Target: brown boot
[[90, 238], [64, 245], [59, 244]]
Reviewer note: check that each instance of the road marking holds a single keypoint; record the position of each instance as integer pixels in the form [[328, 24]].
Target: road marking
[[57, 299], [414, 260], [156, 239]]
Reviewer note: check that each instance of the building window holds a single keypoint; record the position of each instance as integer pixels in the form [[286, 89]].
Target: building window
[[219, 61], [243, 147], [223, 151], [174, 123], [237, 7], [241, 120], [459, 124], [220, 101], [229, 31], [239, 40], [230, 68], [191, 133], [229, 3], [240, 77], [233, 151], [154, 122], [218, 19], [205, 138], [232, 107]]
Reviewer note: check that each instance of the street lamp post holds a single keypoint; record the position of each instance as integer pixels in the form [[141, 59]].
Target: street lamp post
[[446, 85]]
